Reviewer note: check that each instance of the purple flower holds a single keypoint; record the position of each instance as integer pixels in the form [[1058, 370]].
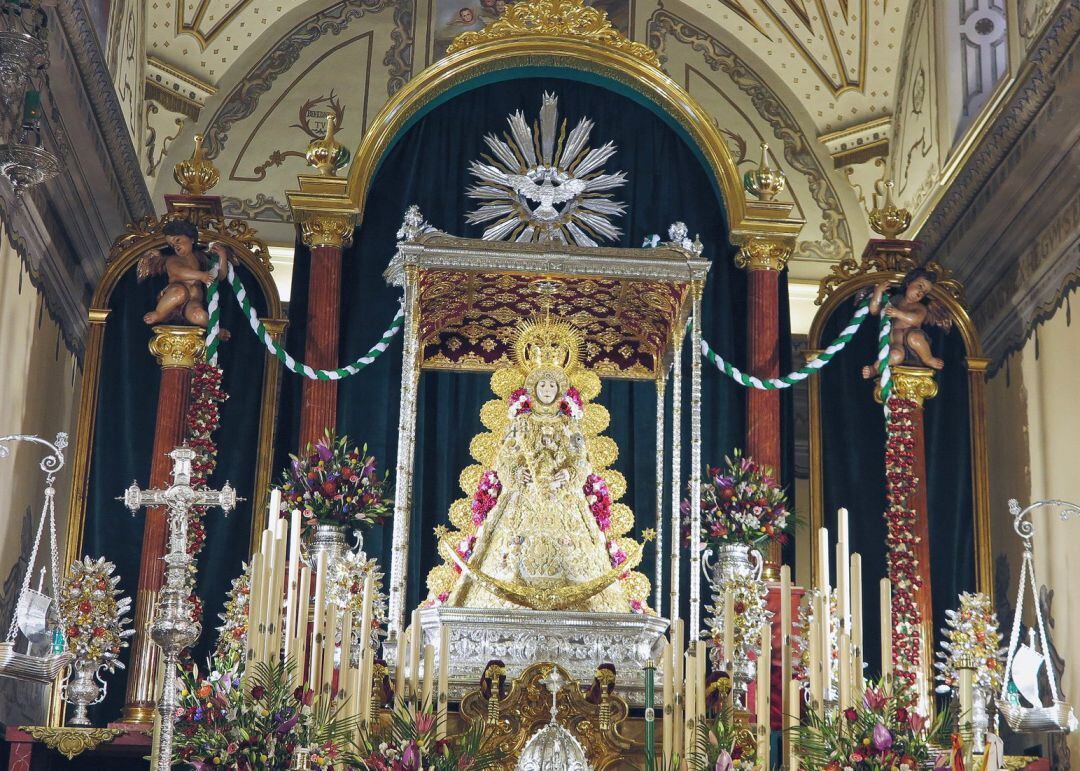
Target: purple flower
[[410, 758], [723, 761], [324, 452], [874, 699], [285, 726], [882, 738]]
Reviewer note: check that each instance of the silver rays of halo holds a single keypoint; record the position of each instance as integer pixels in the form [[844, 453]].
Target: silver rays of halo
[[537, 185]]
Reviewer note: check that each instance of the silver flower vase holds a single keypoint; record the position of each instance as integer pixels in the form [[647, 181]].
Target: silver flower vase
[[83, 689], [332, 540], [731, 561]]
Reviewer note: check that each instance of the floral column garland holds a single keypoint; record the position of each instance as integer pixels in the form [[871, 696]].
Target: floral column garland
[[203, 419], [902, 566]]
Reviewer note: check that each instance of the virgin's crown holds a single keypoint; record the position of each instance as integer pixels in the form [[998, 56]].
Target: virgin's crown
[[547, 342]]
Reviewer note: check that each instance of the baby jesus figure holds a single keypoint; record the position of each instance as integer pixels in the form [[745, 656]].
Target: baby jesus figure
[[909, 309], [182, 301]]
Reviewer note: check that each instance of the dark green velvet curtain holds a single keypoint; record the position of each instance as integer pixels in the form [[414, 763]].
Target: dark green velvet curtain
[[853, 441], [124, 436], [428, 166]]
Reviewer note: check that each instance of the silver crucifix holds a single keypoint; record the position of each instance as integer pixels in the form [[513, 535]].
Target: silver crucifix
[[173, 628]]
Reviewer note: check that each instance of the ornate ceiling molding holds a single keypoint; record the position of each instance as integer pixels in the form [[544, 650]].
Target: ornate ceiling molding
[[797, 151]]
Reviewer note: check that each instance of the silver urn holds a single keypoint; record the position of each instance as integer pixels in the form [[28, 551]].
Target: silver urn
[[83, 689], [332, 540]]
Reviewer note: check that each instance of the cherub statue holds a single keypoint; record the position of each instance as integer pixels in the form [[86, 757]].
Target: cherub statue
[[188, 269], [910, 309]]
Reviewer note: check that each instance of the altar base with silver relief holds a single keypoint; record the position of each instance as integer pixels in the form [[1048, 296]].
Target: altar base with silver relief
[[579, 642]]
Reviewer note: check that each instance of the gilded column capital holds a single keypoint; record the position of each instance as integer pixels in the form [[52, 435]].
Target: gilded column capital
[[322, 229], [99, 315], [759, 253], [177, 347], [914, 383], [276, 327]]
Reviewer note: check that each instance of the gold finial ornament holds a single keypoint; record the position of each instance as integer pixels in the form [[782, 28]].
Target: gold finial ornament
[[327, 154], [764, 182], [198, 173], [888, 219], [555, 18]]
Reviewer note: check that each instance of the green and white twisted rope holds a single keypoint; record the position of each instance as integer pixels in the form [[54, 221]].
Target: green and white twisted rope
[[213, 328], [885, 381], [213, 336], [786, 381]]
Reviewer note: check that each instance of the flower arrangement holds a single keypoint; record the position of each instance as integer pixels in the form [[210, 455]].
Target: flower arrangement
[[488, 490], [902, 565], [345, 589], [572, 405], [93, 610], [972, 633], [232, 633], [520, 403], [334, 484], [880, 733], [740, 503], [408, 743], [224, 724], [722, 744]]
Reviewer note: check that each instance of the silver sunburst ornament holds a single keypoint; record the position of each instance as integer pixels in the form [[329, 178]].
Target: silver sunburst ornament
[[544, 184]]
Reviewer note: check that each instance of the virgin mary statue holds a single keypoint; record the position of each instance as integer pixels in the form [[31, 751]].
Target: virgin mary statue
[[541, 529]]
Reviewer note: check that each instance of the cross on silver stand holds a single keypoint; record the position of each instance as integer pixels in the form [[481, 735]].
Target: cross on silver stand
[[172, 629]]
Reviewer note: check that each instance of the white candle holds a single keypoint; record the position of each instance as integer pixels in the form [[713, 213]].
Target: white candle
[[346, 653], [843, 588], [690, 699], [823, 558], [402, 663], [444, 681], [764, 700], [816, 687], [317, 643], [303, 615], [699, 657], [416, 645], [856, 626], [679, 696], [254, 610], [787, 720], [329, 647], [428, 680], [844, 646], [365, 677], [886, 631], [292, 590]]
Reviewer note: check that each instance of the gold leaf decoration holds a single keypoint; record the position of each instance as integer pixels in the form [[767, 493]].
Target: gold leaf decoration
[[483, 448], [603, 451], [616, 483], [586, 382], [555, 18], [637, 586], [505, 380], [461, 515], [596, 419], [470, 478], [622, 519], [494, 416], [441, 579]]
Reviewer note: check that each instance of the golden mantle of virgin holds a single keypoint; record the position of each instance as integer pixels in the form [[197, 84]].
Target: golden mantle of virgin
[[539, 526]]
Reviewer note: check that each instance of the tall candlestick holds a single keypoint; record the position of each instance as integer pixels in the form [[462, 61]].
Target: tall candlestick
[[416, 645], [764, 701], [669, 707], [429, 678], [886, 631], [690, 690], [856, 626], [315, 664], [300, 638], [843, 587], [292, 589], [678, 696], [444, 681], [346, 651], [787, 721]]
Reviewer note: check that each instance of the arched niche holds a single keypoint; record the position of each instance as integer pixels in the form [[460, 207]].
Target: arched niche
[[889, 261]]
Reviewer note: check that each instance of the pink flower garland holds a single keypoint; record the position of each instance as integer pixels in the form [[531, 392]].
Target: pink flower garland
[[571, 404], [902, 565], [599, 499], [520, 403], [202, 420], [486, 496]]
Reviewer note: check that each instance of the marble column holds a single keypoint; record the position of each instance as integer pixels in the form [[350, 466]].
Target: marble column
[[326, 236], [764, 259], [176, 348]]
